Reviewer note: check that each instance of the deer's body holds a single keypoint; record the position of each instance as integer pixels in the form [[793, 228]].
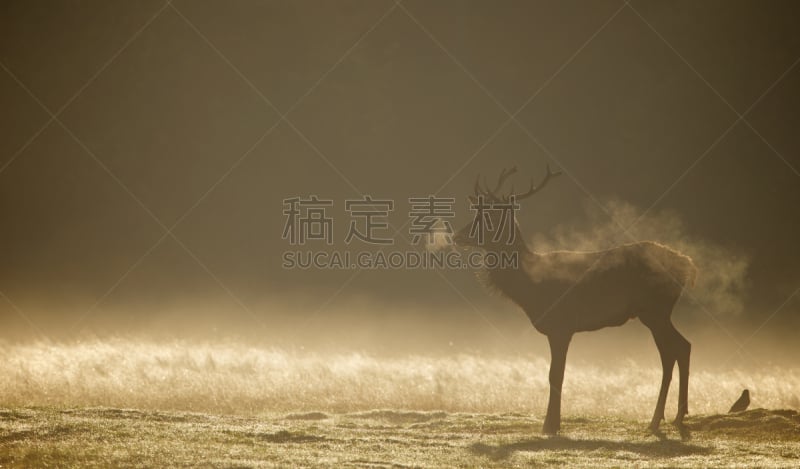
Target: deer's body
[[612, 286], [565, 292]]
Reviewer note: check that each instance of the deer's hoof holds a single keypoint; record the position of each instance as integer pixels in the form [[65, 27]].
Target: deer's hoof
[[654, 424], [550, 429], [684, 431]]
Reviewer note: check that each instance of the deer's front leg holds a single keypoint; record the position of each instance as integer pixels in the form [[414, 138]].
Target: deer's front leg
[[558, 360]]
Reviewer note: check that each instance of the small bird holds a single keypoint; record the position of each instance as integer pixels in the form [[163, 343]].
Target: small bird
[[741, 404]]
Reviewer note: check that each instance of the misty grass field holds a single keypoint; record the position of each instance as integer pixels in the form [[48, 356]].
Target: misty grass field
[[138, 404], [113, 437]]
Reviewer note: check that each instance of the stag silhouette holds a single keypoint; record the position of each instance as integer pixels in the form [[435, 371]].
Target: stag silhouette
[[564, 292]]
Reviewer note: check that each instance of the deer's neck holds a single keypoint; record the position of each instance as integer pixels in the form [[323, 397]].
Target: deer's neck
[[512, 280]]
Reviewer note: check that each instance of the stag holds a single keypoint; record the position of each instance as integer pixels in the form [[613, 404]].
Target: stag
[[564, 292]]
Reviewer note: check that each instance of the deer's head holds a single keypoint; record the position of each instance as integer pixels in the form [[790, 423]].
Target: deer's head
[[494, 225]]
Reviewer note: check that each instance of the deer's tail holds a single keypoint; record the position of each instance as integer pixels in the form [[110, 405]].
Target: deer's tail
[[670, 265], [687, 271]]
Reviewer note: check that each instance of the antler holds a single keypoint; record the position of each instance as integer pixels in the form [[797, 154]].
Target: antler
[[491, 194], [480, 192], [504, 175], [536, 188]]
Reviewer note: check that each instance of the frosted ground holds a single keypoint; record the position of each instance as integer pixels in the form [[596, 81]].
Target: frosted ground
[[131, 403]]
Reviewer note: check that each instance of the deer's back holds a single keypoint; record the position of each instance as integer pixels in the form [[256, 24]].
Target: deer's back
[[590, 290]]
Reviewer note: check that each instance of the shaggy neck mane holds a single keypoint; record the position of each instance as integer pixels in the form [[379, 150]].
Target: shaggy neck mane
[[510, 281]]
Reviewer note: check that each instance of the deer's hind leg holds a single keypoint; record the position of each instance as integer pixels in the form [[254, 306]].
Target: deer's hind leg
[[668, 354], [683, 351]]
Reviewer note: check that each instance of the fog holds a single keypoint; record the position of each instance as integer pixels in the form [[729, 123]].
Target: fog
[[230, 377], [722, 278], [147, 152]]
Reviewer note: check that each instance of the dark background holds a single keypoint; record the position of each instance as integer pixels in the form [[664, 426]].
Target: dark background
[[169, 117]]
